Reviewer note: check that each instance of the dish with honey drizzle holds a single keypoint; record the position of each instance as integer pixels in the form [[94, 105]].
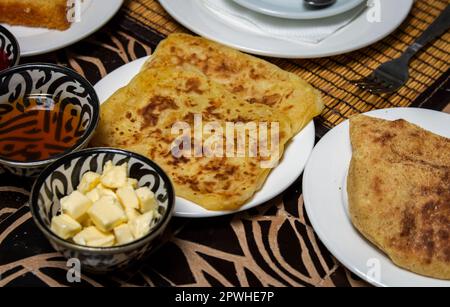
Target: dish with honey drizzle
[[38, 128], [46, 111]]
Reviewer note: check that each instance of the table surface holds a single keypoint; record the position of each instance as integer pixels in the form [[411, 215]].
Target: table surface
[[272, 245]]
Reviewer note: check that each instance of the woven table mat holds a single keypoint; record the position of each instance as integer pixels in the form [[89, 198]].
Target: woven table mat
[[333, 75]]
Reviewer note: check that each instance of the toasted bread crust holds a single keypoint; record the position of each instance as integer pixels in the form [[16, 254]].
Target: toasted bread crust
[[35, 13]]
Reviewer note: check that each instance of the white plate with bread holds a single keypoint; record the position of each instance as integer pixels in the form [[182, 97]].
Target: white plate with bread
[[332, 214], [289, 169], [42, 26]]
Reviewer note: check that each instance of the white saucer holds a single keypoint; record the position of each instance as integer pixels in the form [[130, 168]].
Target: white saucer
[[296, 9]]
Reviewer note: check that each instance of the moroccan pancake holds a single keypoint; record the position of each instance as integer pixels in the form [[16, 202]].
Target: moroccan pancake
[[140, 118], [399, 192], [247, 77]]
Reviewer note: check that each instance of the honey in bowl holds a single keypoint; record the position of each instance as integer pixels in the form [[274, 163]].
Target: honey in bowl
[[37, 128]]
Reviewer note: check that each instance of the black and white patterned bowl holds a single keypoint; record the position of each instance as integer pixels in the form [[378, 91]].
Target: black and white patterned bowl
[[9, 46], [63, 176], [53, 81]]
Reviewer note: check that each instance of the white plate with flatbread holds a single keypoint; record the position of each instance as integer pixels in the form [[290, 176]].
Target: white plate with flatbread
[[285, 174], [361, 32], [325, 196], [94, 14]]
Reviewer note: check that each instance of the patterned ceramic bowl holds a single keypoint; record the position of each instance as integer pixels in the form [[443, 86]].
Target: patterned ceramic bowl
[[63, 176], [46, 111], [9, 49]]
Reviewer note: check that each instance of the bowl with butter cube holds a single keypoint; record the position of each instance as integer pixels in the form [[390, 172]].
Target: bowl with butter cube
[[105, 207]]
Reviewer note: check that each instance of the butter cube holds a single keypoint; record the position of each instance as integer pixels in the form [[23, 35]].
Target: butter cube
[[131, 213], [115, 176], [108, 166], [86, 222], [104, 191], [106, 214], [64, 226], [76, 205], [123, 234], [87, 235], [94, 195], [147, 201], [108, 241], [140, 226], [133, 183], [88, 182], [128, 197]]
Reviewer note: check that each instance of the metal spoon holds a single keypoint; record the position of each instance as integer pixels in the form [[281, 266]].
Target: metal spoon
[[319, 4]]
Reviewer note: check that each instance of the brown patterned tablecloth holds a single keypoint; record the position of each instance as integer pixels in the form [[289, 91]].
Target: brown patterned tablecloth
[[272, 245]]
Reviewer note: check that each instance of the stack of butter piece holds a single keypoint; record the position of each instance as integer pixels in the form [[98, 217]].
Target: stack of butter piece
[[106, 209]]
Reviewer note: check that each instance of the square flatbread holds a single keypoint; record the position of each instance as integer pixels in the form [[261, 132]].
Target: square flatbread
[[140, 118]]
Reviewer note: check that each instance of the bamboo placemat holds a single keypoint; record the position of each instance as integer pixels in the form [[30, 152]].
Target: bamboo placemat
[[333, 75]]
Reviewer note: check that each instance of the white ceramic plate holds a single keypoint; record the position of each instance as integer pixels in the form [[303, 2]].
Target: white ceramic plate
[[296, 9], [325, 196], [360, 33], [285, 174], [95, 13]]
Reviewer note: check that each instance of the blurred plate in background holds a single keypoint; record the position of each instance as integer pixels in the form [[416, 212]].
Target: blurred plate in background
[[360, 33], [95, 14]]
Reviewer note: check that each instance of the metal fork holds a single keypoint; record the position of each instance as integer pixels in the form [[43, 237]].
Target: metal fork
[[391, 76]]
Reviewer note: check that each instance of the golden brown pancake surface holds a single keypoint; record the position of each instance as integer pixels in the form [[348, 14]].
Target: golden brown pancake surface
[[247, 77], [399, 192], [187, 76], [140, 117]]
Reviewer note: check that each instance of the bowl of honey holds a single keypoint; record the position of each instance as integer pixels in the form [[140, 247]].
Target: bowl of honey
[[9, 49], [46, 112]]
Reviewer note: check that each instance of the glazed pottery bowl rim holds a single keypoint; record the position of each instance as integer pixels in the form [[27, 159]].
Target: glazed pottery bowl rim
[[92, 125], [15, 43], [157, 229]]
